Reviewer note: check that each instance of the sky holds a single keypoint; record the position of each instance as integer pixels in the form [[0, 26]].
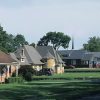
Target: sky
[[34, 18]]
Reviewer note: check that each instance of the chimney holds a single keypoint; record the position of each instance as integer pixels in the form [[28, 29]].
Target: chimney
[[72, 42]]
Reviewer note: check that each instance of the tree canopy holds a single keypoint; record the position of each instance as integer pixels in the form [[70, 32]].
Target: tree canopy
[[93, 44], [57, 39], [9, 42]]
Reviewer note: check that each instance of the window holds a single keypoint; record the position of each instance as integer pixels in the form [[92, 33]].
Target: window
[[22, 52], [73, 62], [22, 59], [65, 55]]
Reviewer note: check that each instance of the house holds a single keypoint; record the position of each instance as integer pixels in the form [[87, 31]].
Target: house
[[38, 57], [28, 56], [80, 58], [51, 58], [7, 66]]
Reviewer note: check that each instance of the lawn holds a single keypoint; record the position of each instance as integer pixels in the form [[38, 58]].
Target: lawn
[[79, 75], [71, 76], [48, 91], [53, 89]]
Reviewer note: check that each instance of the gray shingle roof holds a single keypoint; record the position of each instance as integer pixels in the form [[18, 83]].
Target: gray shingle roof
[[48, 55], [34, 56], [30, 54], [79, 54], [72, 54], [44, 49], [87, 56], [96, 54], [21, 63]]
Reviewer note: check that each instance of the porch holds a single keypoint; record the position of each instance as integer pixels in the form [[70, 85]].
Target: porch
[[6, 71]]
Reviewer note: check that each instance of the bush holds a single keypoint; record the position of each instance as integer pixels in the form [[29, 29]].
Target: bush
[[14, 74], [14, 80], [28, 76], [27, 72], [46, 71]]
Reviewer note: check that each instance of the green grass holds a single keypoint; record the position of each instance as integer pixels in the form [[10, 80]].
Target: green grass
[[78, 74], [70, 75], [52, 89], [48, 91], [83, 70]]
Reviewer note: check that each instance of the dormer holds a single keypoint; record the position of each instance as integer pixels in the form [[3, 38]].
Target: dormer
[[22, 55]]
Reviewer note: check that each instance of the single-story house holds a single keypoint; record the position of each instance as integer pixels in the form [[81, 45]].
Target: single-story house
[[80, 58], [7, 66]]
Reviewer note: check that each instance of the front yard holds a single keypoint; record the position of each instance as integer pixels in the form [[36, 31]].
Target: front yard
[[67, 86], [48, 91]]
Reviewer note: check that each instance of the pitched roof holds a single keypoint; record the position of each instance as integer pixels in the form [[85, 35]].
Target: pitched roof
[[79, 54], [87, 56], [96, 54], [5, 58], [30, 54], [48, 55], [33, 56], [21, 63], [72, 54], [43, 50]]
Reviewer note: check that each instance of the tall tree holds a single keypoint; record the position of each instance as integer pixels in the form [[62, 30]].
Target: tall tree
[[57, 39], [3, 39], [19, 40], [9, 42], [93, 44]]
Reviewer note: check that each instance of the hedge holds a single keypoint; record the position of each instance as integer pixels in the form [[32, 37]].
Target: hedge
[[37, 78], [15, 80], [83, 70]]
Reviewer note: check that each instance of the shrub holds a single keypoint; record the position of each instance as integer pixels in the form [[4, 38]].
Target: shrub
[[14, 74], [26, 72], [28, 76], [14, 80]]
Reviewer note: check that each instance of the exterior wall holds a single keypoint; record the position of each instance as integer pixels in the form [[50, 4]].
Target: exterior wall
[[59, 70], [79, 63], [37, 67], [51, 64], [8, 72], [2, 78], [13, 69]]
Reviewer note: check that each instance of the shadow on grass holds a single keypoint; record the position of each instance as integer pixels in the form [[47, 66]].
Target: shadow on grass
[[47, 91]]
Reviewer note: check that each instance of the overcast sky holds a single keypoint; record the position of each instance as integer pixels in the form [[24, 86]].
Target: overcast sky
[[34, 18]]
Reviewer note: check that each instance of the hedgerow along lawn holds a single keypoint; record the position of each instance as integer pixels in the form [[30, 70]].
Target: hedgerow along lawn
[[71, 76]]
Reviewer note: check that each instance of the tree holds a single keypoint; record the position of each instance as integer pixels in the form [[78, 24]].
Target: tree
[[19, 40], [32, 44], [93, 44], [5, 40], [9, 42], [57, 39]]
